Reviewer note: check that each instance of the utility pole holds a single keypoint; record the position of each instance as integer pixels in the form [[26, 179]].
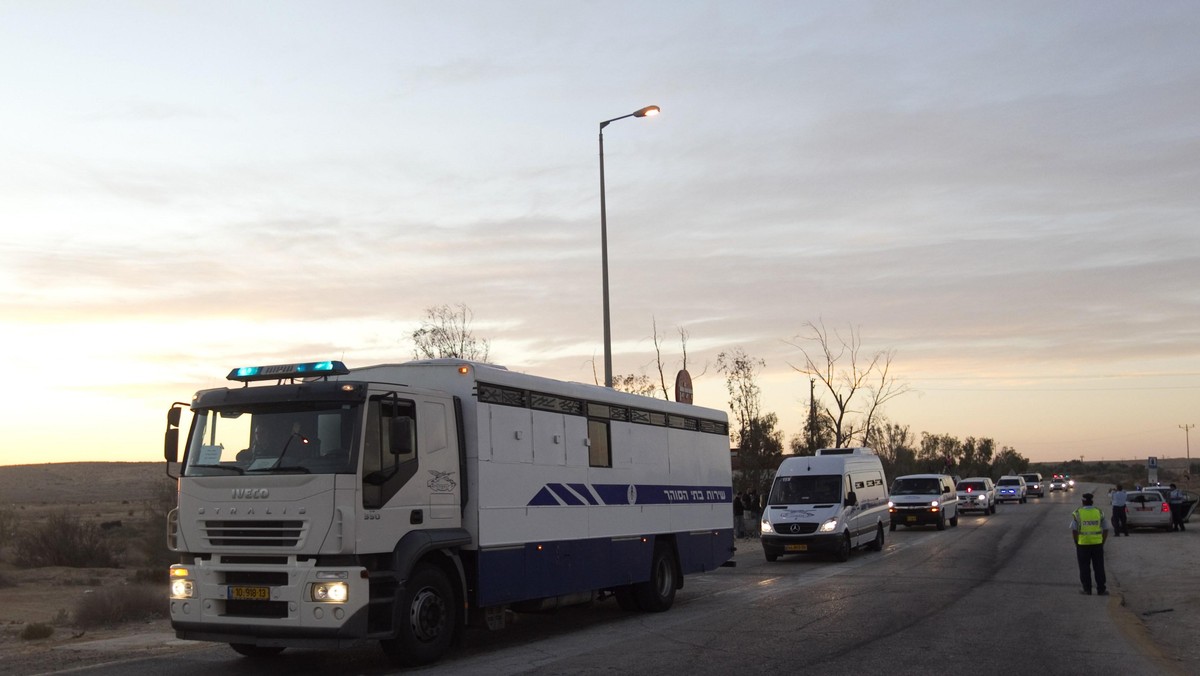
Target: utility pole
[[1188, 443]]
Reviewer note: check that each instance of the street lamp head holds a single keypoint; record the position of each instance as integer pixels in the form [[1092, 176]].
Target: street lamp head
[[648, 111]]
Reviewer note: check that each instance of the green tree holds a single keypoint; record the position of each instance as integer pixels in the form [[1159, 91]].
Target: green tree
[[939, 453], [760, 445], [635, 384], [1007, 461], [894, 444]]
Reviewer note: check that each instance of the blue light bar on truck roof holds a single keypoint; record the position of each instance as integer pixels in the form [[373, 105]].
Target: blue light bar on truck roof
[[310, 369]]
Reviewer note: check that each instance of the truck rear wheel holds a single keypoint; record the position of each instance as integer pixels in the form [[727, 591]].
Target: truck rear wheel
[[658, 593], [426, 618]]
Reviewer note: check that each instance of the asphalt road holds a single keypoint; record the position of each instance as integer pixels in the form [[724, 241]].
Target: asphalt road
[[995, 595]]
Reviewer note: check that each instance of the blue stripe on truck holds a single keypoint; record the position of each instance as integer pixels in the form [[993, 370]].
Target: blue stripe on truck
[[557, 495]]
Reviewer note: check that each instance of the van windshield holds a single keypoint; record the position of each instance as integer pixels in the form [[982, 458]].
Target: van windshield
[[915, 486], [807, 489]]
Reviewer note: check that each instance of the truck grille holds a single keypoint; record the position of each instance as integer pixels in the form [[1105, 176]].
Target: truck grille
[[254, 533]]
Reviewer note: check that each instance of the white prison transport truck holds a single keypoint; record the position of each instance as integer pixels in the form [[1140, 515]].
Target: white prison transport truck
[[831, 502], [321, 506]]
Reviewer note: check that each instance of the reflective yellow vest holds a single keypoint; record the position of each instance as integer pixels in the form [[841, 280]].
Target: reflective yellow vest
[[1090, 530]]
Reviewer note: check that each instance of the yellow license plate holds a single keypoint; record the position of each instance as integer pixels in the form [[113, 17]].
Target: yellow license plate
[[911, 518], [250, 593], [795, 548]]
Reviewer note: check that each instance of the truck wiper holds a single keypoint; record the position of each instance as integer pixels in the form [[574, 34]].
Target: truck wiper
[[294, 435]]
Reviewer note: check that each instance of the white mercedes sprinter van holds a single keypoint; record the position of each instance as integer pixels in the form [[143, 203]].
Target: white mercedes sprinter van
[[833, 502]]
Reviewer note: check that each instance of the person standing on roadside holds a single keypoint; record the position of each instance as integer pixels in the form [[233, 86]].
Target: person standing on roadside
[[1089, 530], [752, 513], [739, 516], [1175, 498], [1119, 523]]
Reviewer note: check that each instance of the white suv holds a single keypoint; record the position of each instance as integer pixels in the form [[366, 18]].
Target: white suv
[[1010, 487], [977, 493]]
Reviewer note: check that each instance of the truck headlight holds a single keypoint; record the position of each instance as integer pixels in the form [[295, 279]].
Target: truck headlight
[[829, 526], [182, 586], [330, 592], [766, 527]]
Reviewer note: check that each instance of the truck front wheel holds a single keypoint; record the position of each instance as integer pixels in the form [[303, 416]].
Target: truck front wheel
[[658, 593], [426, 618]]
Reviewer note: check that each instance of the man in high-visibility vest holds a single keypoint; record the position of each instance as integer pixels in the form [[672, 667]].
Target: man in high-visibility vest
[[1089, 530]]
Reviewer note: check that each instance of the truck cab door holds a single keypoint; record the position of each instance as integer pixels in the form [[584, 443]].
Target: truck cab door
[[410, 473]]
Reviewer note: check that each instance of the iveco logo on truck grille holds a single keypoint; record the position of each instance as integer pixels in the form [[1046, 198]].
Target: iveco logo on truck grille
[[250, 494]]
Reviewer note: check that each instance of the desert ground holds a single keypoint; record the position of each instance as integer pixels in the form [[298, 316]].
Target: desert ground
[[1156, 591]]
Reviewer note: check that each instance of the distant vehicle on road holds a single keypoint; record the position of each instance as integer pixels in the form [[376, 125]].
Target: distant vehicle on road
[[1010, 488], [1033, 484], [977, 493], [1058, 484]]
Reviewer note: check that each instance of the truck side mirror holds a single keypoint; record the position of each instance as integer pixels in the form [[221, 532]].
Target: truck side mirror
[[851, 499], [171, 438]]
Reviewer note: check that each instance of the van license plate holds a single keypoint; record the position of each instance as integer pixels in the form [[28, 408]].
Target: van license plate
[[795, 548], [910, 518], [250, 593]]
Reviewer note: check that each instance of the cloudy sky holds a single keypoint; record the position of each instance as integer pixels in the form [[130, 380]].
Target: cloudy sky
[[1005, 194]]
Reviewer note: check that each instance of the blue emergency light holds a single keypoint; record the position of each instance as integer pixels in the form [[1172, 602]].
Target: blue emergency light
[[246, 374]]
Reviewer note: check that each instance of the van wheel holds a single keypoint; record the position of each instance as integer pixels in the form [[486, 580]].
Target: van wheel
[[426, 618], [892, 526], [257, 652], [877, 543], [954, 520], [941, 522], [658, 593], [843, 551], [992, 509], [770, 557]]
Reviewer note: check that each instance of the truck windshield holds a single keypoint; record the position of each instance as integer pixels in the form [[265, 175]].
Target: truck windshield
[[807, 489], [291, 438]]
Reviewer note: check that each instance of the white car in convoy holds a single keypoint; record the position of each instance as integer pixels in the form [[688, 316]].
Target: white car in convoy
[[977, 493], [1010, 487]]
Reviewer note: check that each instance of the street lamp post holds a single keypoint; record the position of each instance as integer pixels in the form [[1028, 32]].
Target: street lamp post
[[648, 111]]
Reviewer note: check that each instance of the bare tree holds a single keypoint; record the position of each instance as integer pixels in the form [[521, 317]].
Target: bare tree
[[882, 389], [446, 333], [837, 363], [641, 383]]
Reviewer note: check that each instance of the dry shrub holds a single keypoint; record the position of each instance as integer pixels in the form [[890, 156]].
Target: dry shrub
[[64, 540], [36, 631], [126, 603]]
